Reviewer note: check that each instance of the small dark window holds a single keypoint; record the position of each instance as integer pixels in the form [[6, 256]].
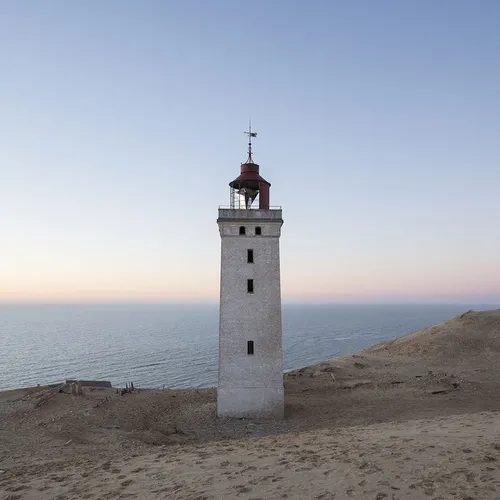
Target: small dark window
[[258, 231], [250, 347], [242, 229], [250, 256], [250, 286]]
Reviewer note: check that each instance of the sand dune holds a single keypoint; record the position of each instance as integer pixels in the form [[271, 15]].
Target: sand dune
[[413, 418], [465, 335]]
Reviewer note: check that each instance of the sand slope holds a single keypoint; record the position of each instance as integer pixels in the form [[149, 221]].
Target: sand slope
[[465, 335], [439, 458]]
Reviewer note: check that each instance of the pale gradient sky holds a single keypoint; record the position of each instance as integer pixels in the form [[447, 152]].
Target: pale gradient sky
[[121, 124]]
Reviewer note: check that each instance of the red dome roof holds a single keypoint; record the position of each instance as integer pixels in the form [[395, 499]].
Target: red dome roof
[[249, 177]]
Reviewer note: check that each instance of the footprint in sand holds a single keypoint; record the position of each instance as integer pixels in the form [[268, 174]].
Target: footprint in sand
[[251, 467], [241, 488]]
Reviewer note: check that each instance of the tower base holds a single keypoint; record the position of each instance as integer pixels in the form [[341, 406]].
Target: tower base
[[255, 402]]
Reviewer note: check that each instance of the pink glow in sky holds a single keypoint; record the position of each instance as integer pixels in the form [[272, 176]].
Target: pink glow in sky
[[122, 124]]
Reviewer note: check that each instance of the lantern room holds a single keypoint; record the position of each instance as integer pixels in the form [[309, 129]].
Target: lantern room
[[249, 186]]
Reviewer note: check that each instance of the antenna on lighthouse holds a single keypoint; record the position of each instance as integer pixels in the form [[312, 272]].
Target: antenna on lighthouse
[[250, 135]]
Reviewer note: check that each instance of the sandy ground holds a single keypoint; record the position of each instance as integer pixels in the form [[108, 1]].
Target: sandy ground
[[414, 418]]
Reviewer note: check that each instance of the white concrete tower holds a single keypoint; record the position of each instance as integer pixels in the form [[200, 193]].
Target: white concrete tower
[[250, 337]]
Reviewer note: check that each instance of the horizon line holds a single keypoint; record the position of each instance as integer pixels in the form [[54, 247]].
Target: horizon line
[[283, 302]]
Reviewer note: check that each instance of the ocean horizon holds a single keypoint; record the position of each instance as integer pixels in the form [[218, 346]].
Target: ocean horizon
[[175, 345]]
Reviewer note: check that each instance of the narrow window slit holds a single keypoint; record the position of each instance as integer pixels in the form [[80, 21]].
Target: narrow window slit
[[250, 286], [250, 347], [250, 256]]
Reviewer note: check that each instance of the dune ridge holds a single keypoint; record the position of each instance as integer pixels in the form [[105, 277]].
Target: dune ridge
[[466, 334]]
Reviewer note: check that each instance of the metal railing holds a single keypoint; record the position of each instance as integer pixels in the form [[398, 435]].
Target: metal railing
[[228, 207]]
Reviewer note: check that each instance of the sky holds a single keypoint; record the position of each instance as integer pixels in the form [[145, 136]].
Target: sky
[[121, 125]]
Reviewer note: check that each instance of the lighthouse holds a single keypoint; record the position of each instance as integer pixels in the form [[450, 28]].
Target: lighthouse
[[250, 382]]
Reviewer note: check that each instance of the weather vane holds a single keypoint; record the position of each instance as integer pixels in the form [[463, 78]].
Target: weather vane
[[250, 135]]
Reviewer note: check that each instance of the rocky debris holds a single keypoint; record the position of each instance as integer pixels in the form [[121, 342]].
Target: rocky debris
[[355, 383], [91, 383], [50, 393]]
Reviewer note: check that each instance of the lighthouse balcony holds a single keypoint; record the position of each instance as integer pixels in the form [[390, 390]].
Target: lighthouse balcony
[[270, 214]]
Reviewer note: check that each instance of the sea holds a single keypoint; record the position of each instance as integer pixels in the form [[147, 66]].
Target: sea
[[175, 345]]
